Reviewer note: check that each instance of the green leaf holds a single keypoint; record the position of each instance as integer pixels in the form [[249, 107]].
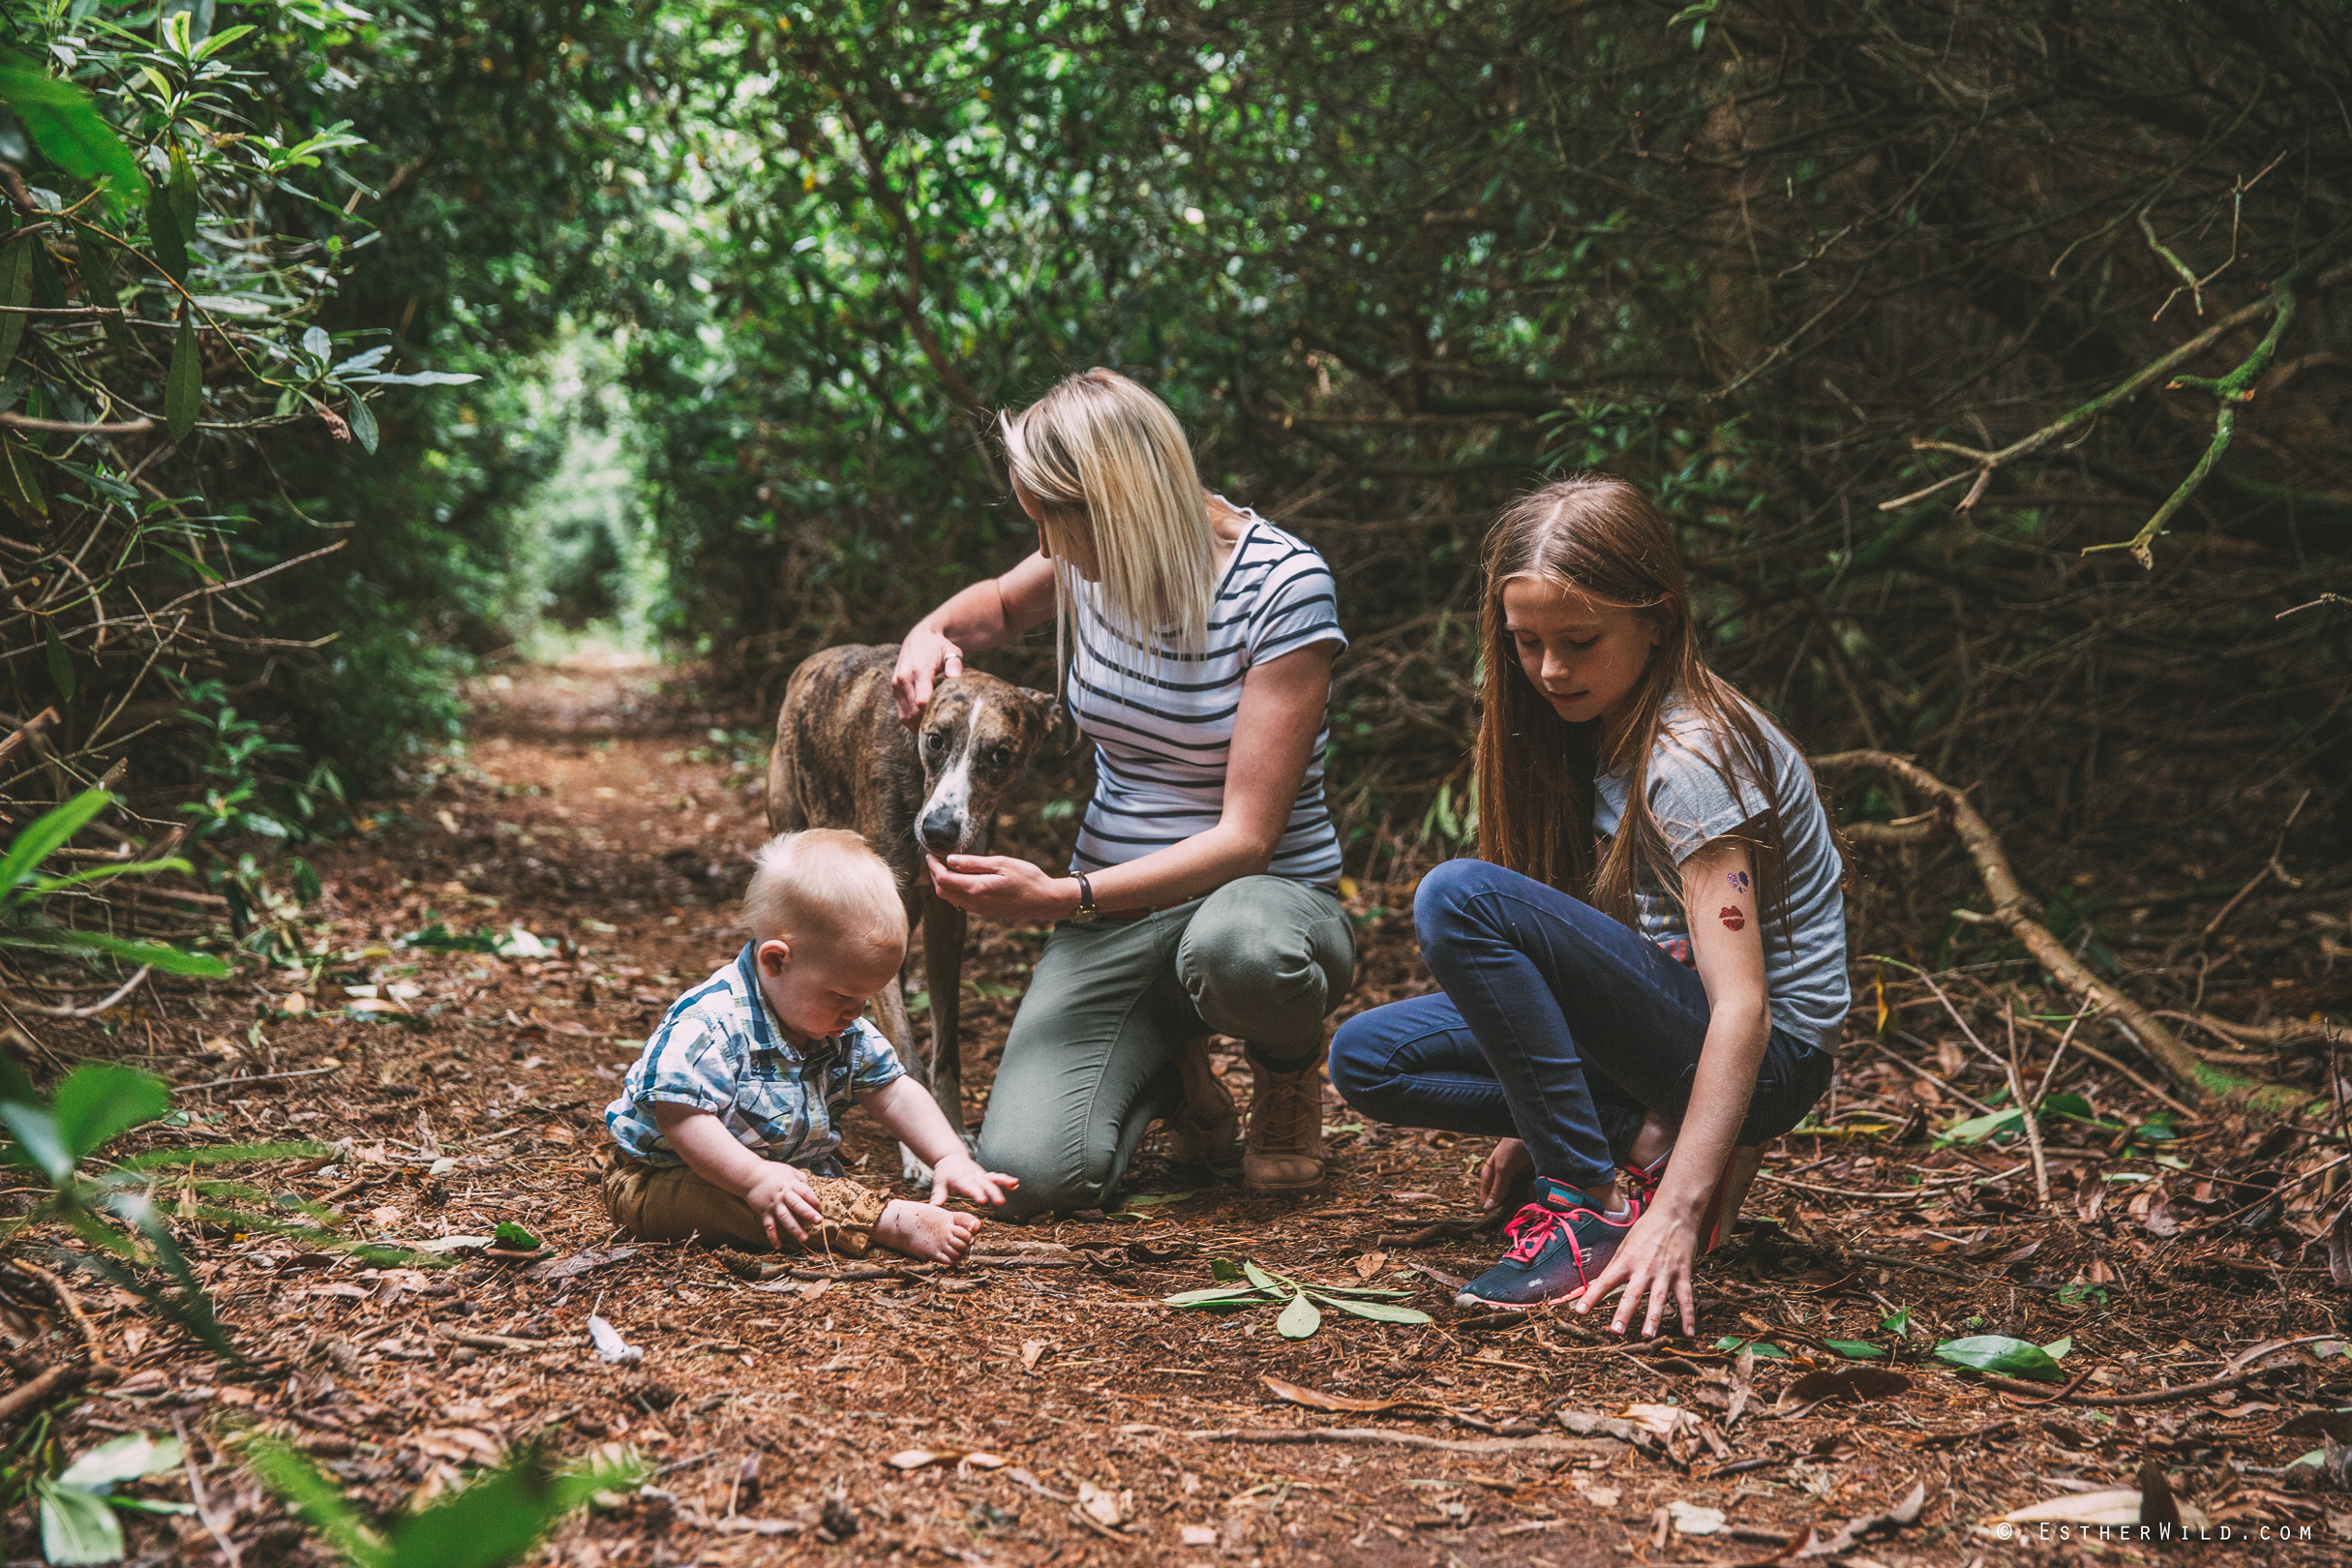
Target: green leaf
[[16, 1084], [165, 237], [184, 387], [1299, 1319], [19, 483], [76, 1525], [1854, 1350], [1261, 1279], [68, 127], [15, 290], [187, 1308], [2059, 1349], [1897, 1322], [98, 1100], [48, 833], [294, 1480], [1224, 1268], [513, 1236], [155, 955], [1215, 1296], [180, 193], [498, 1518], [123, 1459], [1980, 1129], [39, 1144], [1999, 1353], [1379, 1312], [61, 663], [362, 420], [1146, 1200]]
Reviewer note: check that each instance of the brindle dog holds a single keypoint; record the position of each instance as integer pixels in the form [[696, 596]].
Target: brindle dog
[[843, 760]]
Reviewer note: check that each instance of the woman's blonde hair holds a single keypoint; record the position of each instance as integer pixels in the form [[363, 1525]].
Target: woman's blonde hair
[[1107, 461]]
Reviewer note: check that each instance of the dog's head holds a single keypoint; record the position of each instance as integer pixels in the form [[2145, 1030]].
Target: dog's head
[[977, 736]]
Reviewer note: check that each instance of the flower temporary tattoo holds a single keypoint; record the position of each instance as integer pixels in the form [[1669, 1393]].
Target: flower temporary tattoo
[[1733, 916], [1738, 881]]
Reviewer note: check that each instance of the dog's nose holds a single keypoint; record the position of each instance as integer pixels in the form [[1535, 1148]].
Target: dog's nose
[[942, 832]]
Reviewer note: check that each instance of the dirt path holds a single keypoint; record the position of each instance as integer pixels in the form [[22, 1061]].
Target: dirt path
[[1072, 1417]]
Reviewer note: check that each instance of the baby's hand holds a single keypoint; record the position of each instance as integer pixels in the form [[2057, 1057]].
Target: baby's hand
[[783, 1199], [959, 1175]]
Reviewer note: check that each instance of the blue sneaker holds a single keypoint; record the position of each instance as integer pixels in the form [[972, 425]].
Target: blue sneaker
[[1559, 1244]]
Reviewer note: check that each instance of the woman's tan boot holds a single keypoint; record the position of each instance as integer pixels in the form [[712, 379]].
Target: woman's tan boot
[[1207, 1131], [1284, 1151]]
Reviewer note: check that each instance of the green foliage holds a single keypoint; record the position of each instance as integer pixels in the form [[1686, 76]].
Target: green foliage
[[495, 1520], [2008, 1357], [1246, 1284], [29, 895], [77, 1507]]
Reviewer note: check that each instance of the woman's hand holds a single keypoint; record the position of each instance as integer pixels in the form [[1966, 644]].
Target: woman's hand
[[959, 1175], [1508, 1167], [924, 657], [1655, 1258], [1000, 888]]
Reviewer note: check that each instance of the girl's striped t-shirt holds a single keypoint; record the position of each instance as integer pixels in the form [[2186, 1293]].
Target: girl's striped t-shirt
[[1162, 719]]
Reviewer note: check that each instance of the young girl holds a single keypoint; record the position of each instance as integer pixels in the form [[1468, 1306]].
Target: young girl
[[1644, 970]]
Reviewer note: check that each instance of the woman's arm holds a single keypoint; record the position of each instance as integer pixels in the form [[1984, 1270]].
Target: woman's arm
[[1727, 946], [1273, 733], [985, 615]]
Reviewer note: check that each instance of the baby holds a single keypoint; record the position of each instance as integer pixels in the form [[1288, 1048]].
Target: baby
[[728, 1123]]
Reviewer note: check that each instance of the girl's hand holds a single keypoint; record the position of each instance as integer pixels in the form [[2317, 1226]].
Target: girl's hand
[[1657, 1259], [1000, 888], [1506, 1167], [959, 1175], [926, 656]]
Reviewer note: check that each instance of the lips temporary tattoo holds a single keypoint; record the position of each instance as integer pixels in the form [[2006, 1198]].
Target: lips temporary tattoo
[[1738, 881], [1732, 917]]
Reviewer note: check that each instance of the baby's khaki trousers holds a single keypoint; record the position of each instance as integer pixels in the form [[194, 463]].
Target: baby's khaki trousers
[[670, 1203]]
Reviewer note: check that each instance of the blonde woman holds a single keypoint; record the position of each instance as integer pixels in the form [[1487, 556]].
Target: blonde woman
[[1200, 900]]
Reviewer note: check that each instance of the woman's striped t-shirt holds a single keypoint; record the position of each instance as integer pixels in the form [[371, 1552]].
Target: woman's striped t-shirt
[[1162, 720]]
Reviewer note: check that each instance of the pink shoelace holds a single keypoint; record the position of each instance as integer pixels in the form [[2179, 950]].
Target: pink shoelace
[[1530, 1231]]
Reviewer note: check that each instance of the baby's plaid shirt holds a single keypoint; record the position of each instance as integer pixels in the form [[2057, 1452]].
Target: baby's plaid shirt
[[721, 1049]]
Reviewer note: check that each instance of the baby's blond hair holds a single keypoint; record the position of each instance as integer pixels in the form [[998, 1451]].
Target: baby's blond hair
[[824, 884]]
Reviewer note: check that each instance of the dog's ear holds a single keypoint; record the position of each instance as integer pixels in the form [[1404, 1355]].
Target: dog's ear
[[1048, 710]]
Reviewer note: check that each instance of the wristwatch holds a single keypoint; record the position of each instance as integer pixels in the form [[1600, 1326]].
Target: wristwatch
[[1086, 911]]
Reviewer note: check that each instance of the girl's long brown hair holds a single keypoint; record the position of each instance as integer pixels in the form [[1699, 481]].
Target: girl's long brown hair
[[1601, 536]]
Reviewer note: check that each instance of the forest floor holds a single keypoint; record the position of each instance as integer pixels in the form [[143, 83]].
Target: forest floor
[[1038, 1404]]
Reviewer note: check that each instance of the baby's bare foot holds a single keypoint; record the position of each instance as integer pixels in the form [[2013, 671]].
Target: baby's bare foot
[[925, 1230]]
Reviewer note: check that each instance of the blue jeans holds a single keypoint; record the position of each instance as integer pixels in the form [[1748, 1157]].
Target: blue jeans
[[1559, 1026]]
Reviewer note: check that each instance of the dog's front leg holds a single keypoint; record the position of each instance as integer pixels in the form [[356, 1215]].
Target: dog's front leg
[[942, 966], [891, 1016]]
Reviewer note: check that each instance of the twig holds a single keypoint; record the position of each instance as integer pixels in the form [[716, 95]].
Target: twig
[[2153, 1395], [60, 1377], [26, 732], [95, 1008], [1379, 1434], [2271, 868], [68, 427], [258, 1077], [204, 1504], [71, 1305], [2015, 909], [2024, 1109]]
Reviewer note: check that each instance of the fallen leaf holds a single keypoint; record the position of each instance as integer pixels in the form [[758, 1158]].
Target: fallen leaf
[[2119, 1506], [915, 1459], [814, 1288], [1315, 1400], [565, 1268], [1100, 1505], [2339, 1248], [1415, 1197], [1689, 1519], [1856, 1385], [1197, 1535], [611, 1347], [1901, 1515], [1661, 1420], [1031, 1350], [1369, 1265]]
